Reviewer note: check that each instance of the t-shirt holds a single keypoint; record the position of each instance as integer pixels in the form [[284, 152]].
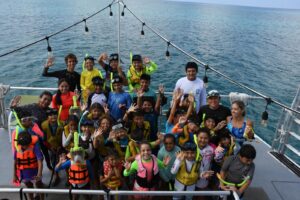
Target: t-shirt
[[73, 78], [220, 114], [114, 99], [165, 173], [67, 102], [236, 170], [196, 87], [152, 118]]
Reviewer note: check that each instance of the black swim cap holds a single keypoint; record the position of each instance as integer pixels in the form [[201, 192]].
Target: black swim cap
[[136, 58], [24, 138]]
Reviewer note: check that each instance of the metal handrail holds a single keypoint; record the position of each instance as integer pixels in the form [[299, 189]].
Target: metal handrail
[[54, 89], [119, 192]]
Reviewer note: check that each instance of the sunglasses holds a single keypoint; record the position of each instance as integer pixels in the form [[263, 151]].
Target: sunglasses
[[113, 57]]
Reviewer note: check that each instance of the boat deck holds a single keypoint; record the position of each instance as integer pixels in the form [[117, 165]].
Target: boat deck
[[272, 180]]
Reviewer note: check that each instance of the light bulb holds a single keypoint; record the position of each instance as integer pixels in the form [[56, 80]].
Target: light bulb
[[264, 118], [168, 55], [205, 81]]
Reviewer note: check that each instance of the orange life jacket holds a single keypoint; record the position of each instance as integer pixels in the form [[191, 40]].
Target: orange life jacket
[[78, 173], [27, 159]]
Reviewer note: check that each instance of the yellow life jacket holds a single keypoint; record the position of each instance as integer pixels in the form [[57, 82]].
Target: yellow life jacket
[[186, 136], [146, 129], [135, 76], [188, 178], [132, 148], [53, 140], [121, 154]]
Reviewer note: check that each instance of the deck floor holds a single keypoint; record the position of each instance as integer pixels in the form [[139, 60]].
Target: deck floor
[[272, 180]]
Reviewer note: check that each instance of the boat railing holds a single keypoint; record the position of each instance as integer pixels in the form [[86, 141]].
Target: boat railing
[[288, 126], [108, 194], [4, 89]]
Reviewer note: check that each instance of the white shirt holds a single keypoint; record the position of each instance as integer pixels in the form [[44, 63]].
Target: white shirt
[[196, 87], [99, 98]]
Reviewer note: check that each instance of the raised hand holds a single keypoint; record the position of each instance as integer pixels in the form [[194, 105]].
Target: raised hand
[[103, 57], [132, 108], [182, 120], [221, 125], [180, 155], [140, 93], [219, 149], [127, 165], [166, 160], [161, 89], [98, 132], [49, 63], [112, 135], [177, 94], [15, 101], [106, 109], [146, 60], [207, 174]]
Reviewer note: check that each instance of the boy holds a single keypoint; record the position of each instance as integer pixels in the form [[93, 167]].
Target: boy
[[237, 171], [112, 69], [53, 138], [99, 95], [28, 160], [168, 149], [137, 69], [187, 170], [118, 100]]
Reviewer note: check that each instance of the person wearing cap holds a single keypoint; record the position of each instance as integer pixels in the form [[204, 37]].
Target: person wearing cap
[[53, 138], [214, 109], [118, 100], [100, 94], [69, 74], [112, 68], [138, 67], [86, 77], [192, 84]]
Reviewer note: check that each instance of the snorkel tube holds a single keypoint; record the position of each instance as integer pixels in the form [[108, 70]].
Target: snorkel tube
[[233, 184], [81, 118]]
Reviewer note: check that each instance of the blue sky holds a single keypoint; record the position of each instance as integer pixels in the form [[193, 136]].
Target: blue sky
[[291, 4]]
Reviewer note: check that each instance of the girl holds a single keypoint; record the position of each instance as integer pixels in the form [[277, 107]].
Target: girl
[[147, 167], [237, 125], [111, 177], [100, 95], [63, 99], [96, 111]]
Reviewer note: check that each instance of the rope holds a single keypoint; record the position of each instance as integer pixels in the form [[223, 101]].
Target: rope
[[206, 66], [58, 32]]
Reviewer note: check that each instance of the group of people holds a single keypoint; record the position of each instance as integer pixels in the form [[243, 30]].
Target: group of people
[[103, 137]]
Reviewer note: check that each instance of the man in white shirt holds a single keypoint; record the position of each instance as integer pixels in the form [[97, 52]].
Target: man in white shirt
[[192, 84]]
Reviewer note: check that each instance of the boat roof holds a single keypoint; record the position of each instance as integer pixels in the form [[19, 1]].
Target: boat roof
[[272, 180]]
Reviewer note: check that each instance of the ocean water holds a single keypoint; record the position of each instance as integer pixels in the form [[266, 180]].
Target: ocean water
[[258, 47]]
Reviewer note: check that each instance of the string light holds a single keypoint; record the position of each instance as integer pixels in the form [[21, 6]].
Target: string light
[[110, 11], [86, 29], [122, 14], [167, 51], [205, 78], [50, 56], [142, 31], [265, 114]]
